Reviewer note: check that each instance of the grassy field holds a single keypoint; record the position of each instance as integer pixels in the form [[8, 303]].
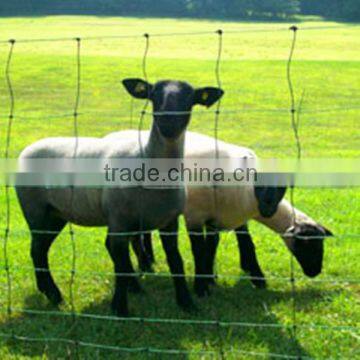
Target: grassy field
[[326, 68]]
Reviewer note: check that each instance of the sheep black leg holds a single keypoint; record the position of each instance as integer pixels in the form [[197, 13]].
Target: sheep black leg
[[149, 248], [118, 248], [133, 284], [248, 259], [201, 286], [211, 244], [144, 258], [169, 241], [41, 239]]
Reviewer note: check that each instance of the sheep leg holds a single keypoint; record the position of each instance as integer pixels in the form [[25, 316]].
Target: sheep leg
[[198, 249], [141, 252], [211, 244], [118, 248], [170, 244], [41, 240], [248, 259], [133, 285], [149, 248]]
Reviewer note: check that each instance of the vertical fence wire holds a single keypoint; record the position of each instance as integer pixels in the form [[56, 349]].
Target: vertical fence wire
[[7, 186], [145, 75], [219, 84], [72, 189], [216, 134], [294, 124], [140, 127], [219, 32]]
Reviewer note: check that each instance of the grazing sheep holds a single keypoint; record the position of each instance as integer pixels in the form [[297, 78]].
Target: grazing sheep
[[47, 210], [304, 238], [237, 205]]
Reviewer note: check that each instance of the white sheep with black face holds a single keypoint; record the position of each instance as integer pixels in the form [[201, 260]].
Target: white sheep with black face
[[47, 210], [231, 210]]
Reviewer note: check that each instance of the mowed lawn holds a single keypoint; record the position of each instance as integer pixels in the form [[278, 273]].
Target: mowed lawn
[[254, 113]]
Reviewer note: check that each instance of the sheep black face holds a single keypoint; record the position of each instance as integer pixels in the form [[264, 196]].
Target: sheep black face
[[306, 242], [172, 102]]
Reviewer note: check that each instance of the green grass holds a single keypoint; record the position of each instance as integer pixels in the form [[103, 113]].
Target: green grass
[[326, 66]]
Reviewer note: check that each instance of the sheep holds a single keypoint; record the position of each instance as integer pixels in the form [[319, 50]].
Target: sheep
[[304, 237], [47, 210]]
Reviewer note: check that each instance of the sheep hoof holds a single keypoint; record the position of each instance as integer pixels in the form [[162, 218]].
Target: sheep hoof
[[134, 287], [201, 289], [121, 313], [147, 268], [189, 308], [186, 304], [53, 295], [259, 282], [118, 310]]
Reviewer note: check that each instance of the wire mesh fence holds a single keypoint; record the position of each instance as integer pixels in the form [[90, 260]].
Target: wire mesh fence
[[85, 282]]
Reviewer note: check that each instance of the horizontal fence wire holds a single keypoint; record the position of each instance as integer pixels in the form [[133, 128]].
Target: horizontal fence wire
[[222, 350], [171, 34], [150, 350], [123, 115], [193, 276], [183, 321], [184, 233]]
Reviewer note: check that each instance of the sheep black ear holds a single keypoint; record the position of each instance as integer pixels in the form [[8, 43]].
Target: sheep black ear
[[138, 88], [328, 233], [268, 198], [207, 96]]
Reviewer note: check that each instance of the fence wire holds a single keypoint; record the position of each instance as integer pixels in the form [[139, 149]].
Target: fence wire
[[7, 188], [150, 350], [286, 279], [125, 116], [72, 330], [195, 33], [215, 192], [292, 187], [184, 233], [223, 351]]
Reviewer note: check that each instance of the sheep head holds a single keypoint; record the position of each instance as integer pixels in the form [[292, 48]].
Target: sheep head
[[172, 102], [306, 242]]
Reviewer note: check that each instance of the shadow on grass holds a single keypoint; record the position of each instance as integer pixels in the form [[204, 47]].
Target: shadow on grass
[[238, 303]]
